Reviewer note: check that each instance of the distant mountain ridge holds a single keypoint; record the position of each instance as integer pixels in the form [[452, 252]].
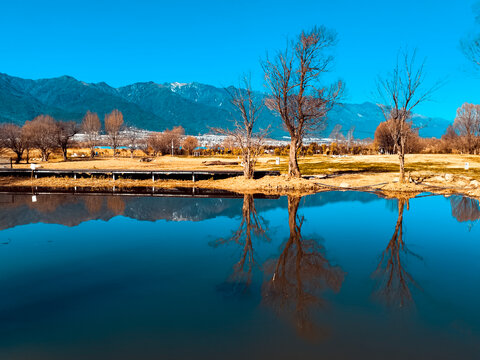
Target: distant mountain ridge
[[148, 105]]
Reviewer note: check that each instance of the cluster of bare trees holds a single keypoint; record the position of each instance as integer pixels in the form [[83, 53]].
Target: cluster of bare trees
[[42, 133], [114, 126], [169, 141], [386, 144], [47, 135], [461, 137], [296, 94]]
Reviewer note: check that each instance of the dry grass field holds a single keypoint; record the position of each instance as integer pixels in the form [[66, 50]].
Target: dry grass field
[[310, 165], [427, 172]]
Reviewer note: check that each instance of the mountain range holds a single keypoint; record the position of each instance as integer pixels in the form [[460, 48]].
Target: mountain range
[[151, 106]]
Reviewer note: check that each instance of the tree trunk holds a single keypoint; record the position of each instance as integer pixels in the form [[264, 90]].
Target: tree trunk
[[247, 166], [401, 158], [293, 169], [64, 152], [19, 157]]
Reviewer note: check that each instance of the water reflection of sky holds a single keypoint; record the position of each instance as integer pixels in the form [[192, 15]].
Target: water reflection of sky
[[124, 288]]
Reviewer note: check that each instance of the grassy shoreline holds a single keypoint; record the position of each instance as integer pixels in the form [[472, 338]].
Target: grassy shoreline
[[441, 174]]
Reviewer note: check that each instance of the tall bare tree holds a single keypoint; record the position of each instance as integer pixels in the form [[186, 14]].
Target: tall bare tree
[[248, 106], [27, 139], [11, 138], [91, 126], [294, 77], [42, 134], [400, 92], [66, 130], [467, 123], [113, 127]]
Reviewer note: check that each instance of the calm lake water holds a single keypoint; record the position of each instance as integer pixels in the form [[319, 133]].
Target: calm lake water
[[338, 275]]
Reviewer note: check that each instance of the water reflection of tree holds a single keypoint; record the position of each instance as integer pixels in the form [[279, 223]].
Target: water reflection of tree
[[465, 209], [393, 281], [252, 225], [299, 277], [49, 203], [116, 204], [93, 204]]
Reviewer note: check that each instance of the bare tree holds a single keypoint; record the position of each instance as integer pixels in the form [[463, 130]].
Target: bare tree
[[336, 134], [132, 136], [350, 137], [248, 106], [27, 138], [155, 142], [142, 145], [113, 127], [42, 134], [189, 144], [11, 138], [296, 92], [173, 138], [91, 126], [467, 123], [229, 143], [450, 140], [66, 130], [400, 92]]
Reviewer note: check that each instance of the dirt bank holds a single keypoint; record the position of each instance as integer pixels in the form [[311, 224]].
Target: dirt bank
[[384, 183]]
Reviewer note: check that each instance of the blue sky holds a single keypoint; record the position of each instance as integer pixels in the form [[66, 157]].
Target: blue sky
[[214, 42]]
